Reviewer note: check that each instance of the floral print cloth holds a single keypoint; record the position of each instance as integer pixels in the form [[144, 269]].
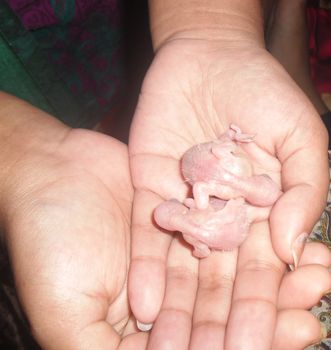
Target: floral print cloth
[[322, 233]]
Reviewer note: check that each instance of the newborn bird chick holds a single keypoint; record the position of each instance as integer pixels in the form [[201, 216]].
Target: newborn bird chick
[[228, 196], [220, 169], [222, 225]]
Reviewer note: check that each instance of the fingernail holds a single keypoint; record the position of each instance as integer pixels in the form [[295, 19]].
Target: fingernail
[[291, 266], [324, 331], [144, 327], [323, 335], [297, 248]]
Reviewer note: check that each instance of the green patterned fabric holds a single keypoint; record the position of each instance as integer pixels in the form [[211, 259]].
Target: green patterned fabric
[[26, 73], [71, 70]]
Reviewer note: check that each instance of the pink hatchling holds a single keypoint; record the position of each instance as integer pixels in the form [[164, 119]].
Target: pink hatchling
[[220, 169], [228, 197]]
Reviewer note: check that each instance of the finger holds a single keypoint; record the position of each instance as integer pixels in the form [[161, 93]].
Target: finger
[[296, 329], [254, 302], [172, 327], [155, 179], [135, 341], [260, 156], [99, 335], [304, 287], [148, 259], [315, 253], [212, 307], [64, 325], [305, 180]]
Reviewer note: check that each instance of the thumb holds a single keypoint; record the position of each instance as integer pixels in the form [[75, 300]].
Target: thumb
[[305, 181]]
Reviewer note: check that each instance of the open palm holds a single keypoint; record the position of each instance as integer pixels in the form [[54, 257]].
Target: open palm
[[191, 94], [68, 234]]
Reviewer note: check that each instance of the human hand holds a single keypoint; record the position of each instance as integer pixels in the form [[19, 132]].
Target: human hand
[[260, 305], [193, 91], [66, 199]]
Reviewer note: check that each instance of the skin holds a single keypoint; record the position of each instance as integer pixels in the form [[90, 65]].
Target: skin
[[68, 239], [223, 229], [210, 325], [200, 82], [71, 271], [220, 170]]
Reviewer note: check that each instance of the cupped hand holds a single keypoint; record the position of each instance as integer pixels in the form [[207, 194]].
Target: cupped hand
[[66, 210], [193, 91]]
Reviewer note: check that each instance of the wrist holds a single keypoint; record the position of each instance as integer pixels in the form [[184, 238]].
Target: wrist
[[229, 22]]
